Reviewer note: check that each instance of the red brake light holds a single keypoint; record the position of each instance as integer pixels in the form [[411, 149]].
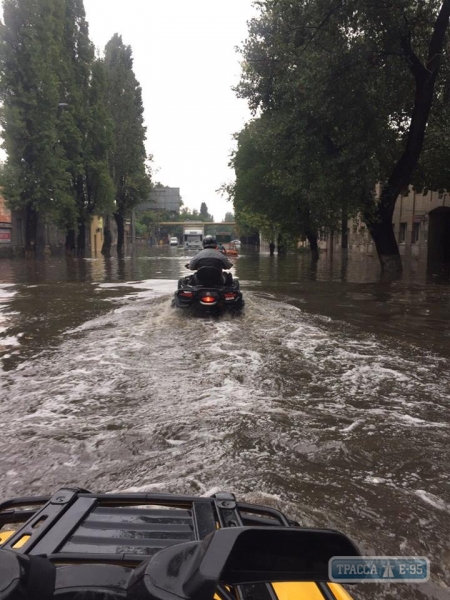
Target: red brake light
[[208, 299], [230, 295], [186, 294]]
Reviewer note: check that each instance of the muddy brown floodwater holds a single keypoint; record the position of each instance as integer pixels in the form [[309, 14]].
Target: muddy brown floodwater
[[329, 398]]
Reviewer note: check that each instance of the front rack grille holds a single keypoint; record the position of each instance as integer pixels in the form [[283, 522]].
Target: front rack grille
[[74, 525]]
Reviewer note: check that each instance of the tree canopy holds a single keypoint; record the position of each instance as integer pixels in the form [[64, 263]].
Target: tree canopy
[[204, 214], [128, 159], [36, 176], [186, 214], [72, 123], [350, 94]]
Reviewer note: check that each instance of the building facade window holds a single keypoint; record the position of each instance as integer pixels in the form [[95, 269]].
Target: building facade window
[[415, 233], [402, 233]]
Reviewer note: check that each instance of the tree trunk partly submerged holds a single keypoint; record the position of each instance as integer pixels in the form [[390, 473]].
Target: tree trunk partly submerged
[[379, 221], [81, 239], [281, 246], [107, 238], [120, 221], [383, 235], [344, 230], [31, 222], [313, 244], [70, 242]]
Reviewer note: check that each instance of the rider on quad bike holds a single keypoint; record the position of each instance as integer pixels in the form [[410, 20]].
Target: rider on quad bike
[[210, 256]]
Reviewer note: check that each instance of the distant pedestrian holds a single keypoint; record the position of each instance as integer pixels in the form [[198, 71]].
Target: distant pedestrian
[[272, 248]]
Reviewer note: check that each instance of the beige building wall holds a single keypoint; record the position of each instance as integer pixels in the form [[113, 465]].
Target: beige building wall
[[411, 223], [5, 223], [96, 235]]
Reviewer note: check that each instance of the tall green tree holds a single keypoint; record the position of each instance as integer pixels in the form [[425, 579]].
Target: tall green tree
[[128, 160], [255, 198], [149, 224], [74, 70], [85, 124], [36, 176], [362, 85], [204, 214], [271, 191], [99, 146]]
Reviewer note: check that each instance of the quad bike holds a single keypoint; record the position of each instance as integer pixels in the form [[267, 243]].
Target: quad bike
[[76, 545]]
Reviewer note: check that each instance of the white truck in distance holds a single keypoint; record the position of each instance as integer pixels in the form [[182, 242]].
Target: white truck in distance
[[193, 237]]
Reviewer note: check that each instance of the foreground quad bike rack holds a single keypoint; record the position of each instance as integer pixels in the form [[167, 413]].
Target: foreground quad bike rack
[[78, 545]]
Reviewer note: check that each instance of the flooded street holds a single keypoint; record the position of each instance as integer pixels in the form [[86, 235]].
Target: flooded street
[[329, 398]]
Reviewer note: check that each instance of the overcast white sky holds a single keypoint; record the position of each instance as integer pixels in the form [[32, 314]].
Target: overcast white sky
[[185, 60]]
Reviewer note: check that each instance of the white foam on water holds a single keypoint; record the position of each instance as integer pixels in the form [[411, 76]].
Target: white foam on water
[[416, 422], [161, 401], [142, 489], [359, 376], [433, 500], [376, 480], [336, 427], [6, 293], [352, 426], [9, 341], [6, 319], [210, 492]]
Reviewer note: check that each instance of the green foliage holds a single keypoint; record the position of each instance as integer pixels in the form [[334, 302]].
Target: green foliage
[[57, 129], [73, 70], [204, 214], [128, 159], [342, 91], [187, 215], [99, 145], [148, 223], [263, 194], [36, 171]]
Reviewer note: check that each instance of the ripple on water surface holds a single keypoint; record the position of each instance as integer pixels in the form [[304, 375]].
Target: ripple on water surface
[[336, 427]]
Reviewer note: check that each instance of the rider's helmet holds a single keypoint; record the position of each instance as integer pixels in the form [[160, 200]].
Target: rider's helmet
[[209, 241]]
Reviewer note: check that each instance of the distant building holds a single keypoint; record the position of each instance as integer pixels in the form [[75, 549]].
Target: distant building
[[5, 224], [50, 239], [162, 199], [421, 225]]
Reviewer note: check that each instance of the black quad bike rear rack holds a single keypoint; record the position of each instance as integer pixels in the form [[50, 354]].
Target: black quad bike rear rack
[[165, 547]]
